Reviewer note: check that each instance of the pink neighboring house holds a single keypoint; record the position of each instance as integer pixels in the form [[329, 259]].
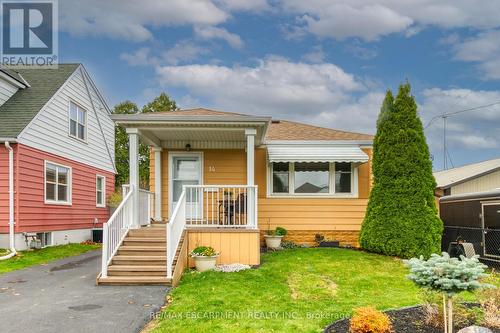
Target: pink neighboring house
[[57, 150]]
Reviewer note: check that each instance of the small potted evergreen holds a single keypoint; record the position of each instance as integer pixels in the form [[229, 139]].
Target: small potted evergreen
[[273, 237], [205, 258]]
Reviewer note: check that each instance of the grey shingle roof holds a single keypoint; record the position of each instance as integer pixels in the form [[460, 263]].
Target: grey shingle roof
[[17, 112]]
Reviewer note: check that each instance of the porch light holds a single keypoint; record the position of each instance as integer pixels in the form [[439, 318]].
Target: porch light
[[188, 147]]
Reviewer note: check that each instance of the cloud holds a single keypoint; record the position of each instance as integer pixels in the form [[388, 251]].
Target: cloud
[[183, 52], [140, 57], [209, 32], [476, 129], [371, 20], [130, 19], [247, 5], [483, 49], [323, 94], [316, 56], [361, 52]]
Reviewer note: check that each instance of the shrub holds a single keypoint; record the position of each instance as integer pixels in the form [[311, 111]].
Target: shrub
[[289, 245], [203, 251], [401, 218], [490, 305], [449, 276], [114, 199], [280, 231], [369, 320]]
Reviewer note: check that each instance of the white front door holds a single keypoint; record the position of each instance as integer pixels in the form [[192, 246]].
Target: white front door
[[185, 169]]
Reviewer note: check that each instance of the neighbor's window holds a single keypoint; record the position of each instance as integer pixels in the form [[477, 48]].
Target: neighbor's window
[[57, 183], [311, 177], [280, 177], [77, 121], [100, 191], [343, 174]]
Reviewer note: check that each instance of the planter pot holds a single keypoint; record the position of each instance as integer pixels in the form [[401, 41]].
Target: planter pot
[[329, 244], [273, 242], [205, 263]]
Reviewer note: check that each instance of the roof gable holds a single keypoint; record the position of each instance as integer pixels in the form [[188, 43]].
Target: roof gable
[[18, 111], [447, 178]]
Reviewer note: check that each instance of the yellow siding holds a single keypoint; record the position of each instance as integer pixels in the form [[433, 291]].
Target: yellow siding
[[234, 246], [228, 167]]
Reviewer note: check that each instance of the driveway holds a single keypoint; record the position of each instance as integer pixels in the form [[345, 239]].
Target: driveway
[[62, 297]]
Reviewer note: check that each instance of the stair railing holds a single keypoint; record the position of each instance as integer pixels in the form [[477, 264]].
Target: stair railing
[[115, 230], [175, 229]]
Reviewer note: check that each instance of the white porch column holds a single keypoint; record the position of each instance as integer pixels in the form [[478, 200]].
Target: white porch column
[[133, 137], [250, 134], [158, 188], [251, 194]]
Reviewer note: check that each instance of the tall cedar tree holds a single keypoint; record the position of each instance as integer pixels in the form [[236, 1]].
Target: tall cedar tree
[[162, 103], [401, 217]]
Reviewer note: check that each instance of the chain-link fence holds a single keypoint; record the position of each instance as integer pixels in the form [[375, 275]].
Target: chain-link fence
[[486, 242]]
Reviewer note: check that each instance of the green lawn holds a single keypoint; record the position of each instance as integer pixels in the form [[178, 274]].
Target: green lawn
[[300, 290], [29, 258]]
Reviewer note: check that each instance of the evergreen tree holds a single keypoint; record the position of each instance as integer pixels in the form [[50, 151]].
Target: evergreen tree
[[401, 217]]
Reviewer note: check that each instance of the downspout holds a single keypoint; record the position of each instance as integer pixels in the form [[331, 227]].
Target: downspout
[[11, 203]]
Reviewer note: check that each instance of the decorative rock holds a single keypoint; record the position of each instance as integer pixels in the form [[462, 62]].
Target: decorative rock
[[231, 268], [475, 329]]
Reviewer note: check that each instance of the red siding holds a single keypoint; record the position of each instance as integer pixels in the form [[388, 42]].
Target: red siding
[[35, 215], [4, 185]]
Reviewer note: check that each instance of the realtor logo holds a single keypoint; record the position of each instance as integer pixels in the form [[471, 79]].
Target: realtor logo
[[29, 34]]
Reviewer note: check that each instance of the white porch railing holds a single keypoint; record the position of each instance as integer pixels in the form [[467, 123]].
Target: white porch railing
[[221, 206], [115, 230], [175, 229], [146, 204], [218, 206]]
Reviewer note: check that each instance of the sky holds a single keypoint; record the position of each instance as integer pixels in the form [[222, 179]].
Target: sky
[[321, 62]]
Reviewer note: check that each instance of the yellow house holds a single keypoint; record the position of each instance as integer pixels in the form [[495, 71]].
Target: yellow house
[[224, 179]]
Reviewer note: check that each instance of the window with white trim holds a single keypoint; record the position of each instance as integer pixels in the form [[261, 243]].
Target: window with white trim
[[100, 191], [312, 178], [45, 238], [57, 183], [77, 121]]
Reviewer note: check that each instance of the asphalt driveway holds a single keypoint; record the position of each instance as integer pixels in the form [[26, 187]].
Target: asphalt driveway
[[62, 297]]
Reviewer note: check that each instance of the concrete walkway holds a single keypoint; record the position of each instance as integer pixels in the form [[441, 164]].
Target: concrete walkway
[[62, 297]]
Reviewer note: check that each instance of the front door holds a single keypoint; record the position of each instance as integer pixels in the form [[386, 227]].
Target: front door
[[185, 169]]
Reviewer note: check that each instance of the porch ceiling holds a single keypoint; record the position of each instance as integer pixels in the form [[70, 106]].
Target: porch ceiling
[[199, 131]]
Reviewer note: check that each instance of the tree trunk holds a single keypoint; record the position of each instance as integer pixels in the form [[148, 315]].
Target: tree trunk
[[444, 314], [450, 315]]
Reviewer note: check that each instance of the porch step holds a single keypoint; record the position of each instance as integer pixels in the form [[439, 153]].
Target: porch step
[[147, 232], [141, 250], [134, 280], [131, 270], [141, 260], [144, 241]]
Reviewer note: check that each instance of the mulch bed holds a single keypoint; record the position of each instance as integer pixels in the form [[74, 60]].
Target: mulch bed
[[406, 320]]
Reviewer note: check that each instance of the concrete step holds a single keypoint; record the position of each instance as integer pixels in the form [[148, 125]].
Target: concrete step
[[134, 280]]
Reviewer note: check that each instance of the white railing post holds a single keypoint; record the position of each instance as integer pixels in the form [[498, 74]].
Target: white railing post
[[169, 250], [104, 263]]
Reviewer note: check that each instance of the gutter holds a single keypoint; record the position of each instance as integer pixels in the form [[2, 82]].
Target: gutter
[[11, 203]]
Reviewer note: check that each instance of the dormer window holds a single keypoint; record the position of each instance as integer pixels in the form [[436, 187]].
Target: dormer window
[[77, 121]]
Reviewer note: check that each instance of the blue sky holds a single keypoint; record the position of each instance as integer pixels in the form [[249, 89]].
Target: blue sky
[[324, 62]]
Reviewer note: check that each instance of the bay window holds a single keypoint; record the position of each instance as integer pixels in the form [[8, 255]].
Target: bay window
[[313, 178]]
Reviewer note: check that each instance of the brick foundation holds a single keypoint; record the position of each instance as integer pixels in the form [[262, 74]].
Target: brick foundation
[[345, 237]]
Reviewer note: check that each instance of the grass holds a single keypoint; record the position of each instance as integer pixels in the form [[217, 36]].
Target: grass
[[29, 258], [299, 290]]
